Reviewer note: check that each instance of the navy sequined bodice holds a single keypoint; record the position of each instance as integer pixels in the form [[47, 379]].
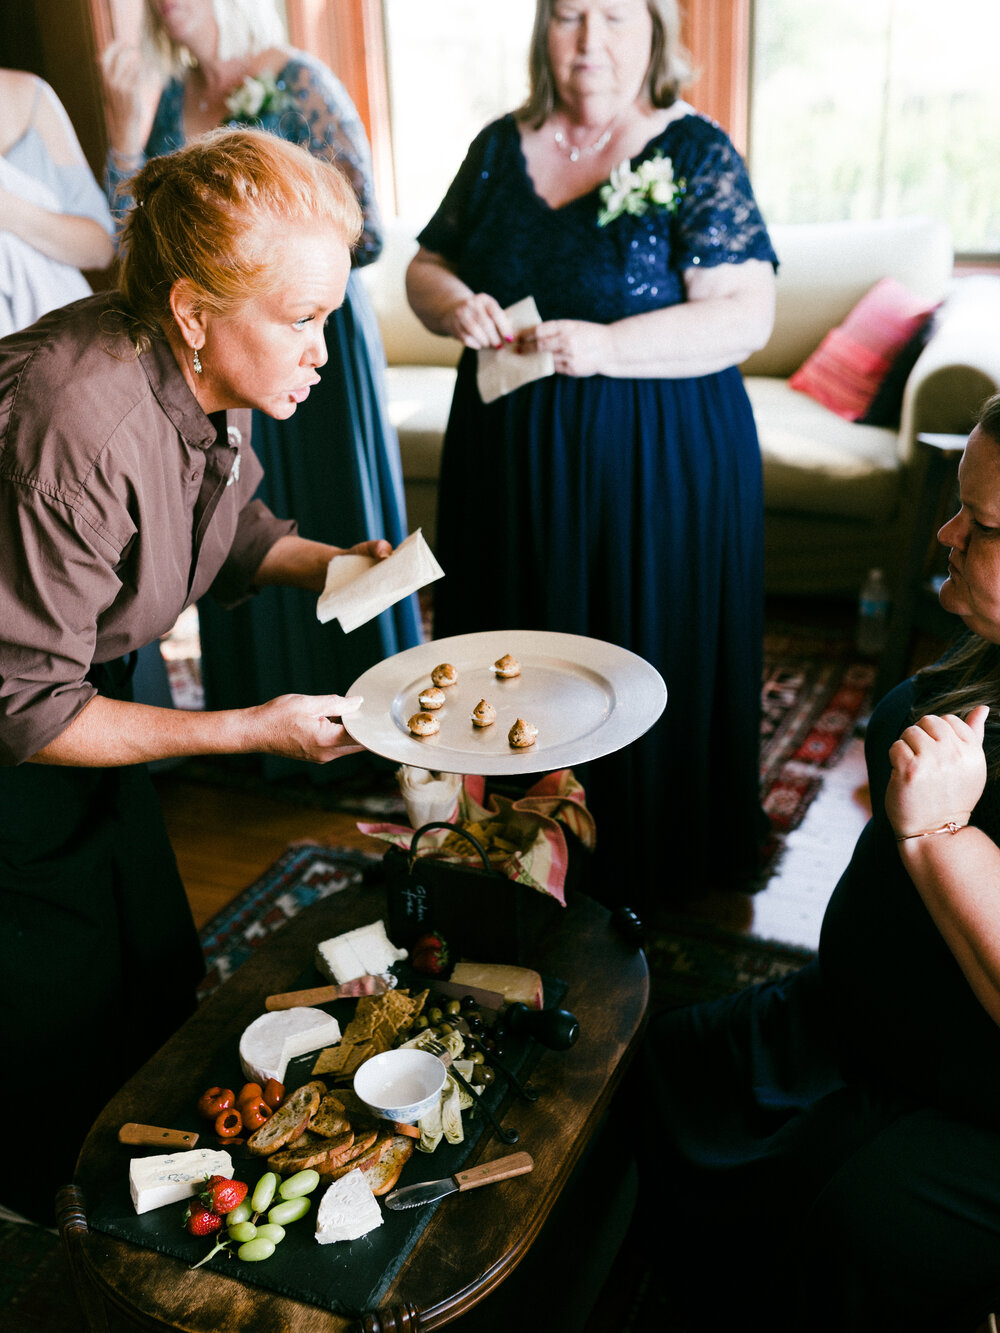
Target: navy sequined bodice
[[506, 240]]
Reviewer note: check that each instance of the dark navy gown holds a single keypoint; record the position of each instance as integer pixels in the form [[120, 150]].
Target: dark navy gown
[[829, 1145], [629, 510]]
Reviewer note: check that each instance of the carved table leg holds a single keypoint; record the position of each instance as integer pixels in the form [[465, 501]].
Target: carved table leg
[[72, 1221], [403, 1318]]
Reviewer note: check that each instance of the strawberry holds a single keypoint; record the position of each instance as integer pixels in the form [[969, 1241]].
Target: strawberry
[[201, 1221], [220, 1195], [430, 955]]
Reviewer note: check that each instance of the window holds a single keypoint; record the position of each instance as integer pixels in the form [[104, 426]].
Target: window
[[878, 108], [453, 66]]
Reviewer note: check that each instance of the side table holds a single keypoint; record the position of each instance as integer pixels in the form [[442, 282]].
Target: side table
[[915, 604]]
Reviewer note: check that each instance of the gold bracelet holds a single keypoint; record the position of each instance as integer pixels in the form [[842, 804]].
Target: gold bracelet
[[950, 827]]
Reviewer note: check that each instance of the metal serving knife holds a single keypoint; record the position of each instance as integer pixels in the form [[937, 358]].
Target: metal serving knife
[[501, 1168]]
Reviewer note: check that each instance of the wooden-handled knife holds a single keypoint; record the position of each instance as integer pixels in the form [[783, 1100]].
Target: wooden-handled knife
[[153, 1136], [347, 990]]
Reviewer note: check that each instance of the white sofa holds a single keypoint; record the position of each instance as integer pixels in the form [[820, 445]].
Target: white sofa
[[837, 494]]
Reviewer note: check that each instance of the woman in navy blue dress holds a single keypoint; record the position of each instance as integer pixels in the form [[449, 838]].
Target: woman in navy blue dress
[[830, 1143], [619, 498], [335, 464]]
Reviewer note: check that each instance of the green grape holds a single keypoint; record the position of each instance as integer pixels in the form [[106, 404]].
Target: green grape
[[290, 1210], [241, 1213], [263, 1193], [303, 1182], [242, 1231], [271, 1231], [256, 1249]]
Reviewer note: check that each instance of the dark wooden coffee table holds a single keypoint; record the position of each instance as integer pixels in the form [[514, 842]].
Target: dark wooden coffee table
[[471, 1244]]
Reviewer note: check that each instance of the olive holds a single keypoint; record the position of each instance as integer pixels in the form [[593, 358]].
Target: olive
[[420, 1022], [445, 1028], [434, 1015], [453, 1007], [474, 1023], [483, 1075], [477, 1058], [469, 1002]]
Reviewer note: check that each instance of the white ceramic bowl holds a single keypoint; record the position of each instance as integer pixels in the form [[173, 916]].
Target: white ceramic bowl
[[401, 1085]]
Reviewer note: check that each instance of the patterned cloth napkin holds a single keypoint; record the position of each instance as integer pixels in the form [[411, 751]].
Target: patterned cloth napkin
[[523, 839]]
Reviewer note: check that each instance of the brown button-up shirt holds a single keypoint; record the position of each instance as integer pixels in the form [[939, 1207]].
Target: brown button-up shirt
[[121, 503]]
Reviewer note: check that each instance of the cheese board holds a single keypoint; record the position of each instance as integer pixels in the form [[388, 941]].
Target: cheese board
[[348, 1277]]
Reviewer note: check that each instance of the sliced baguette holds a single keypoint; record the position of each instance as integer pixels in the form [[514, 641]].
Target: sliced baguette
[[363, 1161], [329, 1166], [300, 1156], [383, 1174], [331, 1118], [289, 1121]]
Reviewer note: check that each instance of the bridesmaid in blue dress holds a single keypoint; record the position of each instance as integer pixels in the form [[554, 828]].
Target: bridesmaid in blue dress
[[619, 498], [335, 464]]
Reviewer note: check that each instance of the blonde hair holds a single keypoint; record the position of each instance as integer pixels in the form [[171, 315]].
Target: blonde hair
[[245, 27], [207, 214], [969, 674], [668, 71]]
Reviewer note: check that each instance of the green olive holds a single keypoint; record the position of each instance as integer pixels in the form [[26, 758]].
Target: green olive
[[420, 1022], [444, 1029], [434, 1015], [453, 1007], [483, 1076], [476, 1057]]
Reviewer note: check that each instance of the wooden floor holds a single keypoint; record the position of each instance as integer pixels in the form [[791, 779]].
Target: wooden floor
[[225, 839]]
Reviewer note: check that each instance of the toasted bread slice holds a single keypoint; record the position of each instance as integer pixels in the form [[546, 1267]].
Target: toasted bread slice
[[289, 1121], [346, 1157], [383, 1174], [363, 1160], [408, 1131], [331, 1118], [300, 1156]]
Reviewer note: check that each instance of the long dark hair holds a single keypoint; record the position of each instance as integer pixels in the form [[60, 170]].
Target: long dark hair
[[969, 673]]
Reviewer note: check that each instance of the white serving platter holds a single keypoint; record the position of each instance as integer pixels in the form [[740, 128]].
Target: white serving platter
[[586, 697]]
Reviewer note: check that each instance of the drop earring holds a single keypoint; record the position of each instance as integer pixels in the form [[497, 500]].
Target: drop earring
[[196, 362]]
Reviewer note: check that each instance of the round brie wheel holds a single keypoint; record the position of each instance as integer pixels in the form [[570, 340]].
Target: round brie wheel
[[270, 1041]]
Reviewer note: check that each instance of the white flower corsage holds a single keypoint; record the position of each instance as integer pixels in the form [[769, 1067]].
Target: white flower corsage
[[651, 185], [257, 96]]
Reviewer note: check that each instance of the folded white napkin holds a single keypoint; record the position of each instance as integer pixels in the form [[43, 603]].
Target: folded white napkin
[[500, 370], [359, 587], [428, 796]]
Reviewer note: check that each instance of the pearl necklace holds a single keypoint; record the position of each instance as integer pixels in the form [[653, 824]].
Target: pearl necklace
[[573, 153]]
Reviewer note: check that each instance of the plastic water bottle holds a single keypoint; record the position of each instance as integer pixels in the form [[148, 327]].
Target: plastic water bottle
[[873, 614]]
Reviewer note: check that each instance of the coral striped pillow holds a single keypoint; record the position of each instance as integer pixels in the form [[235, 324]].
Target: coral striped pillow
[[849, 366]]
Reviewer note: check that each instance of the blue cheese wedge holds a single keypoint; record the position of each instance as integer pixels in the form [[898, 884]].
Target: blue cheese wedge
[[358, 953], [276, 1037], [156, 1181], [347, 1210]]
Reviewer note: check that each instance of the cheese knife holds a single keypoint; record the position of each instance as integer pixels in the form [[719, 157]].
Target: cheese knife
[[501, 1168], [347, 990]]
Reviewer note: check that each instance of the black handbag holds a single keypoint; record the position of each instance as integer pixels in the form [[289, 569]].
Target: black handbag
[[477, 911]]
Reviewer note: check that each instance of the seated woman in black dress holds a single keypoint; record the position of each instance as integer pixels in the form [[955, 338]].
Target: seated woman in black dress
[[834, 1158]]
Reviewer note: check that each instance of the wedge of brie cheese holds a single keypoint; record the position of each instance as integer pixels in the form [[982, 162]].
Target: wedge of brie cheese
[[357, 953], [156, 1181], [276, 1037], [347, 1210]]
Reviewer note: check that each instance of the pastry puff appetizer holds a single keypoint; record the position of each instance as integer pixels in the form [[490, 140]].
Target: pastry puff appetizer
[[522, 734], [484, 714], [431, 698], [444, 675], [507, 666], [424, 724]]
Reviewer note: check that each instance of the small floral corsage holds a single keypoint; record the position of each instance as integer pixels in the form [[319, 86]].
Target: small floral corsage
[[257, 96], [652, 185]]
